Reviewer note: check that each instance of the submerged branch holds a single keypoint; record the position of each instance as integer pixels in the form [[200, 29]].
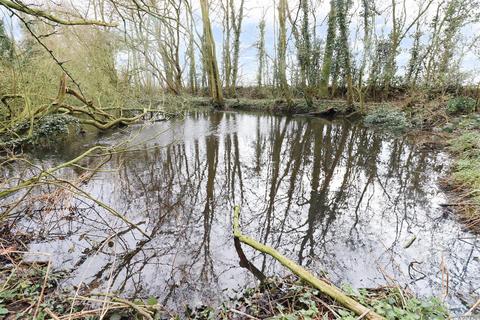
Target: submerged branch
[[27, 183], [245, 263], [41, 178]]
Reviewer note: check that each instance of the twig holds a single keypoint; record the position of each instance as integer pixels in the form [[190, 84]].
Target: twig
[[134, 306], [110, 279], [445, 278], [363, 315], [243, 314], [44, 14], [45, 279], [84, 313], [475, 305], [51, 314], [329, 308], [50, 51]]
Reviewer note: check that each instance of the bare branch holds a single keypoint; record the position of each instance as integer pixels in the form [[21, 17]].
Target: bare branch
[[40, 13]]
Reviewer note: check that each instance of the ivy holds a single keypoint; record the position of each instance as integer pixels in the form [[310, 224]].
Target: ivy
[[46, 130]]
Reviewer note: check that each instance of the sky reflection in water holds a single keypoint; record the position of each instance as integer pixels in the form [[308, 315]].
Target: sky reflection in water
[[334, 196]]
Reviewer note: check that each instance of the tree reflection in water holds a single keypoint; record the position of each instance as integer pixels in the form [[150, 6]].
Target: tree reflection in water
[[334, 196]]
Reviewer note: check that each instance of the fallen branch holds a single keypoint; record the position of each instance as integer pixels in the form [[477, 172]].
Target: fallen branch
[[245, 263], [88, 103], [108, 125], [301, 272]]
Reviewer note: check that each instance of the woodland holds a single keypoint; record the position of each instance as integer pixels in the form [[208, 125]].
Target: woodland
[[346, 88]]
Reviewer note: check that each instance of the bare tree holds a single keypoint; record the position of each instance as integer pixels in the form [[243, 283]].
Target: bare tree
[[209, 56]]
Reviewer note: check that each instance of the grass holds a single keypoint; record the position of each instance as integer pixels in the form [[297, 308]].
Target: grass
[[465, 176]]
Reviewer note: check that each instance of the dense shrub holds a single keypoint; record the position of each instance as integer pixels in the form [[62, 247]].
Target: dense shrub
[[460, 105]]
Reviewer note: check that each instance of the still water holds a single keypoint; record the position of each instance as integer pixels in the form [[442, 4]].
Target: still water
[[338, 198]]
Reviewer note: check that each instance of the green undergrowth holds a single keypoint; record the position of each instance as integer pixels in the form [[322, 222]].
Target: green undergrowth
[[32, 290], [20, 290], [460, 105], [289, 299], [464, 144]]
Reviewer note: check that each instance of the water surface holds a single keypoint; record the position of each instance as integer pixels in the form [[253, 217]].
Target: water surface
[[336, 197]]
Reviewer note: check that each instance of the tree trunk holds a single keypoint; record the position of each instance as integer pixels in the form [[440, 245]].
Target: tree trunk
[[328, 53], [261, 53], [210, 58], [237, 30], [282, 52], [344, 49], [227, 63]]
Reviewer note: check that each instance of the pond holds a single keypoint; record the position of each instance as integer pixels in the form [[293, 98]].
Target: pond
[[341, 199]]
